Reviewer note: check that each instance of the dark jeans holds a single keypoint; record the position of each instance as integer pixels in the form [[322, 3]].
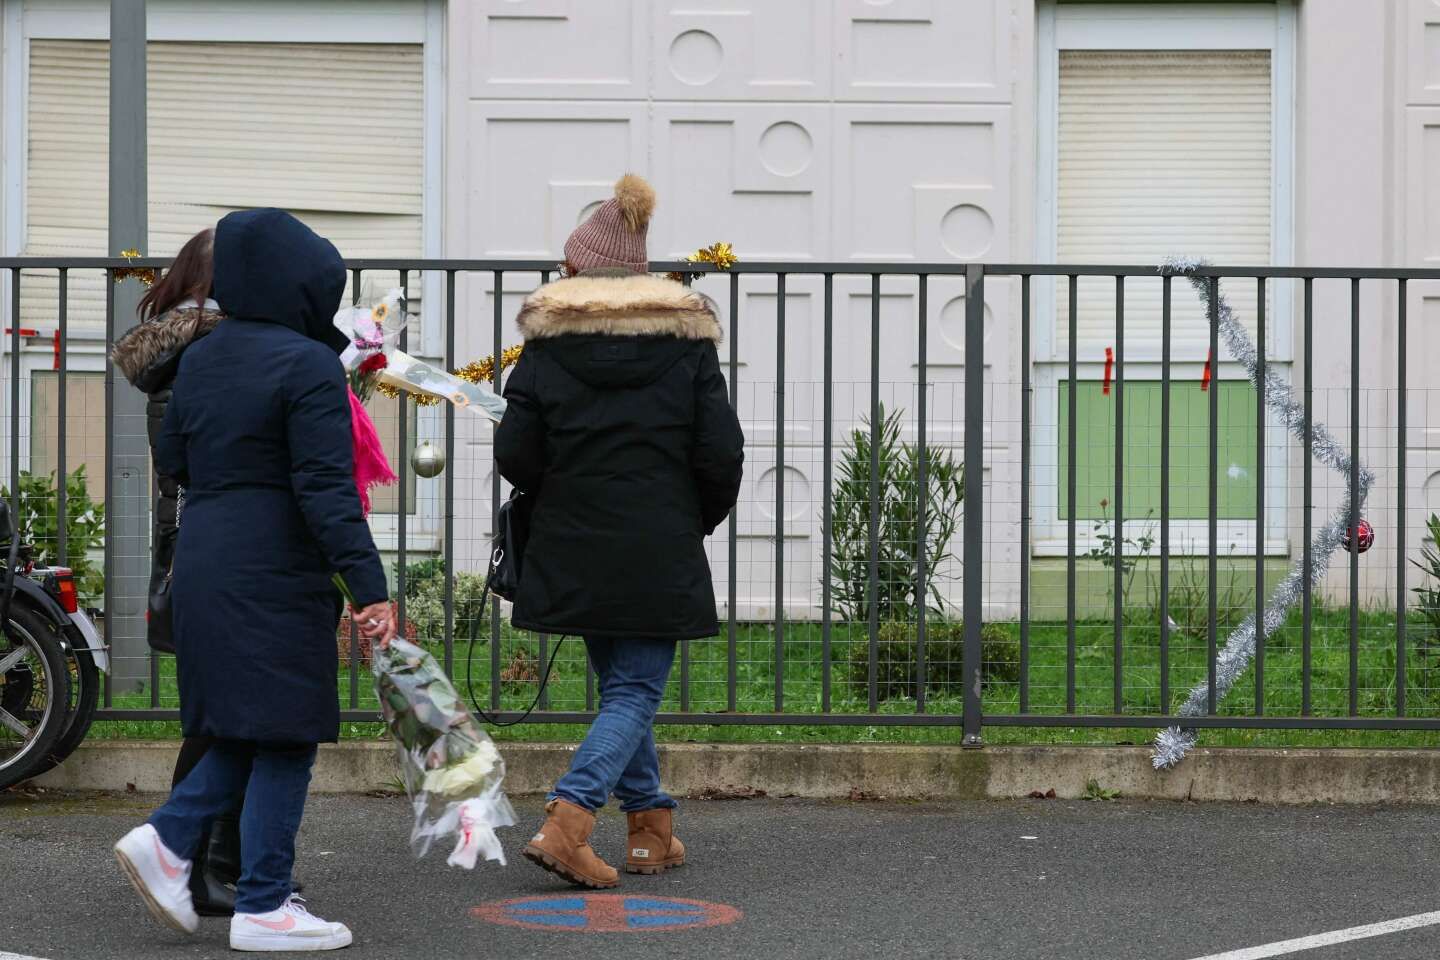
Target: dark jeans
[[273, 779], [618, 755], [192, 749]]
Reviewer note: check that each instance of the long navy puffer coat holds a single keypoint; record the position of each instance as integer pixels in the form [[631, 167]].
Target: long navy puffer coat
[[258, 433]]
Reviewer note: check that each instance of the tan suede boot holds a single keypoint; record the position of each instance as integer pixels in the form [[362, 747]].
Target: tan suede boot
[[563, 847], [653, 846]]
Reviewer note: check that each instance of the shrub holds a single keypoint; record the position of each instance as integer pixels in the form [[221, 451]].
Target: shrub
[[897, 596], [425, 605], [944, 658], [1189, 602], [1427, 594], [420, 573], [39, 525]]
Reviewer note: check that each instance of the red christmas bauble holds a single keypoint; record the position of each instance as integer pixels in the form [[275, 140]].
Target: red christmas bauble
[[1362, 541]]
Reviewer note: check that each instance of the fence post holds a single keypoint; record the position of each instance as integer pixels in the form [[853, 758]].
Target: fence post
[[973, 531], [127, 527]]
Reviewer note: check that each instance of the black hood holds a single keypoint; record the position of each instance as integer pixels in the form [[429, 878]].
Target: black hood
[[271, 268]]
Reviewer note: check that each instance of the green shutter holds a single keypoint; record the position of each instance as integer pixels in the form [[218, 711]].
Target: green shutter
[[1189, 450]]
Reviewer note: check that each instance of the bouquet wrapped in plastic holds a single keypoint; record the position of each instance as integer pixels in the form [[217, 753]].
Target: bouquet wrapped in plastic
[[452, 771], [374, 358]]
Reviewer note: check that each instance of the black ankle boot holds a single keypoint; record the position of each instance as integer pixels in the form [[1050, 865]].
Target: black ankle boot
[[217, 869]]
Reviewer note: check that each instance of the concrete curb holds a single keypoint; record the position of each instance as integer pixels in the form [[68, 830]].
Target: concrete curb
[[826, 772]]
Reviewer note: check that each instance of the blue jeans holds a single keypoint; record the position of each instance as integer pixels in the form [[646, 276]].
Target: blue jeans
[[618, 755], [273, 779]]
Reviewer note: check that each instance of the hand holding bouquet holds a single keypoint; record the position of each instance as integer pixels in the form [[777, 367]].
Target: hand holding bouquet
[[451, 769]]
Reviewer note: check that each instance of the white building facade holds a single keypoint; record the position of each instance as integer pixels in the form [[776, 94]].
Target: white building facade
[[1297, 132]]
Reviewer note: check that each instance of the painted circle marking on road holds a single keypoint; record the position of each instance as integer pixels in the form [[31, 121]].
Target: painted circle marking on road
[[607, 913]]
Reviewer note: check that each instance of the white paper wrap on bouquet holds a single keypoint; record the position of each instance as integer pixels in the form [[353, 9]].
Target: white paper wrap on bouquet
[[407, 373], [452, 771], [369, 335]]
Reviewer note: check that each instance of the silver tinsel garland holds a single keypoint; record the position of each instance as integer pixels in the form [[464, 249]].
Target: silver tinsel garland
[[1173, 743]]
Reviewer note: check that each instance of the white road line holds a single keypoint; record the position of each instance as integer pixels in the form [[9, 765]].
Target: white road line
[[1329, 939], [16, 956]]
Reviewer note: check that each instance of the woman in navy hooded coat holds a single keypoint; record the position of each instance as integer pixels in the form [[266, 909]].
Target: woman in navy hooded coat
[[258, 434]]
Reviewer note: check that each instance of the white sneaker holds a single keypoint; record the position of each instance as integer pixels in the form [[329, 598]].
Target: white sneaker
[[291, 928], [160, 877]]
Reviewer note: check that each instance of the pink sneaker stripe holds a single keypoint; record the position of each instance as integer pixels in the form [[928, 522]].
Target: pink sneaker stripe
[[172, 872], [279, 926]]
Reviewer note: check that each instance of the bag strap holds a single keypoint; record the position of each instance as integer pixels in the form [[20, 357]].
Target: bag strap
[[470, 661]]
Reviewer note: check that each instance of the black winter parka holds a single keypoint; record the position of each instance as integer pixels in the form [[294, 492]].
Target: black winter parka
[[619, 424]]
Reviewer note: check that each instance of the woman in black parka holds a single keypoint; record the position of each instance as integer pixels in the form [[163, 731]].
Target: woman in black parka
[[620, 427], [258, 434], [174, 313]]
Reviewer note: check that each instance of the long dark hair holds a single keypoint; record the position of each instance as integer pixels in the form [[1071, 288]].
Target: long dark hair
[[189, 277]]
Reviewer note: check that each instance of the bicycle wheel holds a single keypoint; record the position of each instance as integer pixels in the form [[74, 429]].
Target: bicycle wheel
[[34, 695]]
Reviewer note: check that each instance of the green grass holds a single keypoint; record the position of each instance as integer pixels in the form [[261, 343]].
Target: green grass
[[1094, 669]]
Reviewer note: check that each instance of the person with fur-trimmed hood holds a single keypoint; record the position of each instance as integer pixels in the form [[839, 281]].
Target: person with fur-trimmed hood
[[619, 426], [175, 313]]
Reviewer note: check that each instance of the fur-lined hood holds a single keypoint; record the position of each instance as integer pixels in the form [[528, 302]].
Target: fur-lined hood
[[149, 353], [632, 305]]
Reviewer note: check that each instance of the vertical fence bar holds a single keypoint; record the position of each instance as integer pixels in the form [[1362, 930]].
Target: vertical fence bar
[[1213, 570], [827, 515], [543, 698], [1400, 442], [1070, 494], [1118, 679], [152, 653], [779, 493], [62, 366], [1354, 519], [1307, 561], [872, 579], [589, 683], [732, 628], [354, 679], [1165, 495], [449, 482], [684, 673], [1025, 493], [1260, 498], [922, 495], [15, 396], [499, 315], [402, 470], [974, 529], [108, 563]]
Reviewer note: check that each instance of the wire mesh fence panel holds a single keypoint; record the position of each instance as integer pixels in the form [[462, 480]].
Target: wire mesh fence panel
[[1140, 499]]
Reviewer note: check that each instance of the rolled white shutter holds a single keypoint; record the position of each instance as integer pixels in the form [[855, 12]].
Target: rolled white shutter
[[331, 132], [1161, 153]]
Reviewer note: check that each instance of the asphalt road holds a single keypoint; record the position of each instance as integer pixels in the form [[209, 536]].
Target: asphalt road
[[1028, 879]]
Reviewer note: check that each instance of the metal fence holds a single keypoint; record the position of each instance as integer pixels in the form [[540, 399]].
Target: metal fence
[[1007, 649]]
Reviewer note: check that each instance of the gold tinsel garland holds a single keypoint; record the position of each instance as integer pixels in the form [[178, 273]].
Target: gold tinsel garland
[[720, 253], [145, 275], [482, 371], [477, 372]]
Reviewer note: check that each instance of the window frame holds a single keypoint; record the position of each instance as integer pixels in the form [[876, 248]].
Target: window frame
[[408, 22], [1160, 26]]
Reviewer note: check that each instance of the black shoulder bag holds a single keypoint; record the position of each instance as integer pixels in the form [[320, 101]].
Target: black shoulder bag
[[507, 560]]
